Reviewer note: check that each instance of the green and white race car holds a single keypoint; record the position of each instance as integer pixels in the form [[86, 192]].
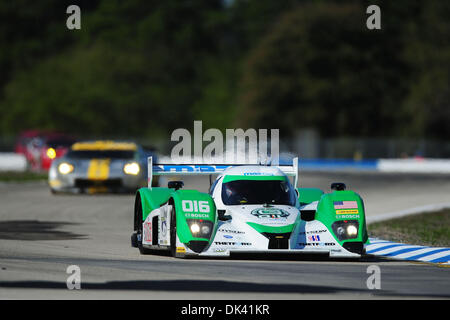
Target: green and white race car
[[249, 209]]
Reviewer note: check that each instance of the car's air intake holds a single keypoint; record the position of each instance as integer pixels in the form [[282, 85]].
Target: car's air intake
[[278, 240]]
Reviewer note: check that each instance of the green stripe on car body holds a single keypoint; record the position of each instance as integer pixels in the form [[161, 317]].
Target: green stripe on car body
[[270, 229]]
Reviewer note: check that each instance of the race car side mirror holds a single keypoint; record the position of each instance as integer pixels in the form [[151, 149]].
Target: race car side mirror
[[338, 186], [222, 216], [175, 185]]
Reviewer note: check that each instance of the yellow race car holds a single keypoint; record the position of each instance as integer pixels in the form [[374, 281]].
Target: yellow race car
[[100, 166]]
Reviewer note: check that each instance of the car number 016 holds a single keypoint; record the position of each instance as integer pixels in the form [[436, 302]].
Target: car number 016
[[195, 206]]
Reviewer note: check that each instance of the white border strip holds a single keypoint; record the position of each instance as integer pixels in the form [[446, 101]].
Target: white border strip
[[400, 251], [10, 161], [414, 165]]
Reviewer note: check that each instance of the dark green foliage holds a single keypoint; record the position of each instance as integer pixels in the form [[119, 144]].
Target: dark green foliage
[[145, 68], [319, 66]]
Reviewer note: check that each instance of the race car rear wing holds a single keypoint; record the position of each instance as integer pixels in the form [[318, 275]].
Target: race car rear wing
[[160, 169]]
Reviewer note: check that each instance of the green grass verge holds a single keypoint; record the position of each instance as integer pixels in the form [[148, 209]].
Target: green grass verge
[[22, 176], [428, 229]]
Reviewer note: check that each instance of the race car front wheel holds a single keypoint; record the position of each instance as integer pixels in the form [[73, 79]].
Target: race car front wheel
[[138, 225]]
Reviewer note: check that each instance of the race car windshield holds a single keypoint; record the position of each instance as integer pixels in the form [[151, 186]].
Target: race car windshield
[[100, 154], [239, 192]]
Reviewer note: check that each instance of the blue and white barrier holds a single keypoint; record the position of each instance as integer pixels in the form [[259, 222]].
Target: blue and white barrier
[[410, 165], [413, 165], [400, 251], [336, 164]]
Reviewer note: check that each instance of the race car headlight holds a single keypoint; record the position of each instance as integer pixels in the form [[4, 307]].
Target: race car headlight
[[352, 230], [132, 168], [195, 228], [346, 229], [205, 229], [340, 231], [200, 228], [51, 153], [65, 168]]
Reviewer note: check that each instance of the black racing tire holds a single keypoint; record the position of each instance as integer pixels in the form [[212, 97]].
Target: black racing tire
[[173, 232], [134, 240], [138, 225]]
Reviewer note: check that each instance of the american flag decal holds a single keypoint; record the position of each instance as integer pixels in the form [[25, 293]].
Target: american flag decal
[[338, 205]]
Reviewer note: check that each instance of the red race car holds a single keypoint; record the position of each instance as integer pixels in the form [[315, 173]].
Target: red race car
[[40, 148]]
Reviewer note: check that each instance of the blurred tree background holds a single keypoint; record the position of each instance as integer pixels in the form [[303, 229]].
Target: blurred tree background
[[146, 67]]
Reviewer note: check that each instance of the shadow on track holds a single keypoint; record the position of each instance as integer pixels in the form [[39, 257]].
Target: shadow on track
[[32, 230], [208, 286], [184, 286], [274, 256]]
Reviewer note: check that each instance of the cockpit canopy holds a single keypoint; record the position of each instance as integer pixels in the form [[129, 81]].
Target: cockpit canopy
[[258, 190]]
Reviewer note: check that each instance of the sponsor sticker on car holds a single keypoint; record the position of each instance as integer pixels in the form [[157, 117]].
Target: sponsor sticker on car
[[273, 213], [351, 211]]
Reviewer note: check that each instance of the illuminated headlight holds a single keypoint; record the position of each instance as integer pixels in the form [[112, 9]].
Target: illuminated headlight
[[352, 230], [65, 168], [51, 153], [132, 168], [195, 228], [200, 228], [346, 229]]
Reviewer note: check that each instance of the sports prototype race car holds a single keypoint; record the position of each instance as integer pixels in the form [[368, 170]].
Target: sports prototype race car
[[249, 209], [100, 166]]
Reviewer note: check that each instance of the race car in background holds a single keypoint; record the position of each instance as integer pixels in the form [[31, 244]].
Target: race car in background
[[249, 209], [100, 166], [40, 148]]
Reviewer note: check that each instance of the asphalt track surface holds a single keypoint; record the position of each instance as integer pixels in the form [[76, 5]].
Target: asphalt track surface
[[42, 234]]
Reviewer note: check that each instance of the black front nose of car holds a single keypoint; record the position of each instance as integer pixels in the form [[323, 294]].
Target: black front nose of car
[[278, 240], [355, 247], [197, 245]]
